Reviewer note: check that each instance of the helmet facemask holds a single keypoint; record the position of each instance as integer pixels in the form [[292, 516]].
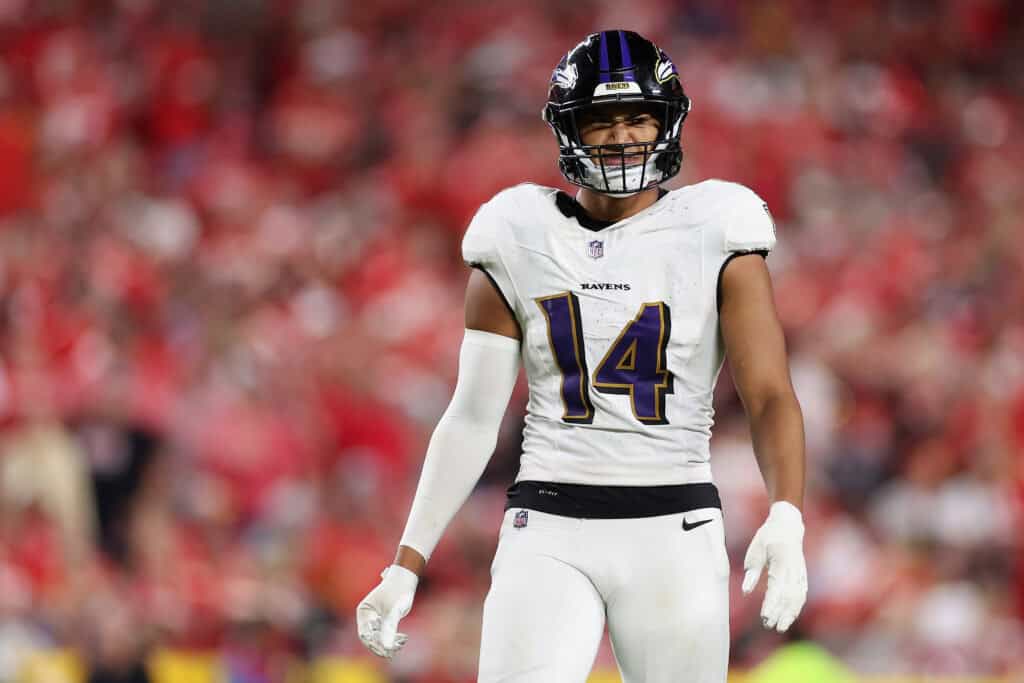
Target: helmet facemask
[[619, 169]]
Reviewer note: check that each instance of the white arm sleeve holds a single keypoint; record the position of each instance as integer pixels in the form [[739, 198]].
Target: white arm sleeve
[[464, 438]]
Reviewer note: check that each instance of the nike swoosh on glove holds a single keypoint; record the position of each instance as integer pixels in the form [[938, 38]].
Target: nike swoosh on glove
[[779, 544], [377, 616]]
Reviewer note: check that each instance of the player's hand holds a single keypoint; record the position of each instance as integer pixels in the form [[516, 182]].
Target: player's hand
[[779, 544], [377, 616]]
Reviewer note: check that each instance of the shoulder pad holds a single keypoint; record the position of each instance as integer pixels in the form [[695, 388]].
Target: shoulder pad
[[747, 224], [489, 224]]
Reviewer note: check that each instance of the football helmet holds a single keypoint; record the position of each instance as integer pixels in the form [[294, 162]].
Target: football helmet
[[616, 67]]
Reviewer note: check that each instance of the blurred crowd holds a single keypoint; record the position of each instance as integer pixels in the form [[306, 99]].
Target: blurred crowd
[[230, 311]]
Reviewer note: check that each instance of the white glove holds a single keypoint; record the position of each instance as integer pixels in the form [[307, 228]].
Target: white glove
[[779, 543], [377, 616]]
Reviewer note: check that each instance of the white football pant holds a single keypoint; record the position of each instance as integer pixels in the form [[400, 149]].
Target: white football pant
[[664, 590]]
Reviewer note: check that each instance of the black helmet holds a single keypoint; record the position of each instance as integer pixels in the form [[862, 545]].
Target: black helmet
[[616, 66]]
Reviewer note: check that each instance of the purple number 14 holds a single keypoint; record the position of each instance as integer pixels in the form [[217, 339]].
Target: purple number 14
[[633, 366]]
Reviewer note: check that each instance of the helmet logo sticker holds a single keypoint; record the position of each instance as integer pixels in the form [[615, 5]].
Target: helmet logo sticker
[[665, 70], [595, 248], [565, 77]]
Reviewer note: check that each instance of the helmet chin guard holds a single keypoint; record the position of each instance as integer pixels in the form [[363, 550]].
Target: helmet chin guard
[[617, 67], [604, 168]]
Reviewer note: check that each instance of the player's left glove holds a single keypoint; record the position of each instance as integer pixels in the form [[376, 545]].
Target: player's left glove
[[779, 543]]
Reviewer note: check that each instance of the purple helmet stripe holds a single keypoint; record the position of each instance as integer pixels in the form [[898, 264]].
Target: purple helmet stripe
[[606, 75], [627, 59]]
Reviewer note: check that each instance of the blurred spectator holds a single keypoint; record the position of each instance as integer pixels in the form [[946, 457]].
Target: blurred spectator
[[118, 457]]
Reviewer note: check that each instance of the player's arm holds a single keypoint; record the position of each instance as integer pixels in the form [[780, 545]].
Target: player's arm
[[756, 348], [485, 312], [459, 449]]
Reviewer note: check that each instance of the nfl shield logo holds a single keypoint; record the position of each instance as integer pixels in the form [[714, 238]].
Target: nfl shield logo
[[596, 249], [520, 519]]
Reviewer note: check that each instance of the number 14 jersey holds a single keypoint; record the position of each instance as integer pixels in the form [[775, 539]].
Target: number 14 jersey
[[621, 341]]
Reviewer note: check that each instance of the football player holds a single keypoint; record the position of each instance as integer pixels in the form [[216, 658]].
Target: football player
[[621, 303]]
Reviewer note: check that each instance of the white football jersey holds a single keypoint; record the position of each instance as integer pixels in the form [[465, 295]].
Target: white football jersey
[[621, 342]]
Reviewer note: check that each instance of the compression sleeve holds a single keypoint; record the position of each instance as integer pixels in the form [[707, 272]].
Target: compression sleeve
[[465, 436]]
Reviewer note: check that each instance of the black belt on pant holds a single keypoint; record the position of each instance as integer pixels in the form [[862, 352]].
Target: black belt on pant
[[611, 502]]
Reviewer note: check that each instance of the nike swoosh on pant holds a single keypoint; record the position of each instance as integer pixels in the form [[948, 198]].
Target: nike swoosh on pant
[[687, 526]]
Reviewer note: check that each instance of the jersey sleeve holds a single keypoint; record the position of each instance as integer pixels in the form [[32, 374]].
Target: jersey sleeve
[[748, 223], [482, 247]]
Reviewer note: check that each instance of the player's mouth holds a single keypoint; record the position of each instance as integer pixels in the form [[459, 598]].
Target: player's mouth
[[614, 160]]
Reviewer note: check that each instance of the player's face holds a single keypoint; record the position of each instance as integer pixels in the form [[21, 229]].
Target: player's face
[[619, 124]]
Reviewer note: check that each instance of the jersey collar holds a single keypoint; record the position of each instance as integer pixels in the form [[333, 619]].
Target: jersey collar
[[571, 208]]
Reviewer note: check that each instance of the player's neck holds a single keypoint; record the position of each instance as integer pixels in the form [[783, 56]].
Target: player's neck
[[605, 207]]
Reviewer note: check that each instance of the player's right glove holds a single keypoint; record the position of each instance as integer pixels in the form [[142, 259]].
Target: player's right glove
[[377, 616], [779, 544]]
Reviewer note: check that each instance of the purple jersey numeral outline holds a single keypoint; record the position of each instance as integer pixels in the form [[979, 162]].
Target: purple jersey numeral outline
[[565, 336], [635, 364]]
